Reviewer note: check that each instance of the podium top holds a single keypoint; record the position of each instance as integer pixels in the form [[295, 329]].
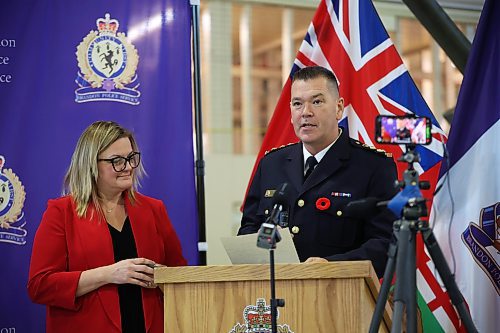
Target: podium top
[[302, 271], [184, 282]]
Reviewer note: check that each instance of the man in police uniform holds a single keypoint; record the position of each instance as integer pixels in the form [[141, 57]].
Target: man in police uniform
[[325, 171]]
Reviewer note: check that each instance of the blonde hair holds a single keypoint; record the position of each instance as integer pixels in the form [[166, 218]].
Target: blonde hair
[[81, 178]]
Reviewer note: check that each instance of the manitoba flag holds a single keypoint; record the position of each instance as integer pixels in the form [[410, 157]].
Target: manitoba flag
[[348, 38]]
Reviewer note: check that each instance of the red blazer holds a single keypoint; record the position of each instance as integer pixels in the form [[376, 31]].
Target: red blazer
[[65, 245]]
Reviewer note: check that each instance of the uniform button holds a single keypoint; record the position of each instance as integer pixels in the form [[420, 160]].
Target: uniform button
[[300, 203], [339, 213], [266, 211], [295, 230]]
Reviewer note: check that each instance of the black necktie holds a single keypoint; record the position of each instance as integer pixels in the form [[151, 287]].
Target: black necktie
[[310, 165]]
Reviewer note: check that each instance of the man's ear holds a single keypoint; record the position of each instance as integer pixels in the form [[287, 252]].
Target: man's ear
[[340, 108]]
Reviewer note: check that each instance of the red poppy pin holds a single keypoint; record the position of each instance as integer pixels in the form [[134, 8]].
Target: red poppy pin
[[323, 203]]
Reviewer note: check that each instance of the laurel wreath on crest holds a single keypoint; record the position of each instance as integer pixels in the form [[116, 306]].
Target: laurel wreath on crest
[[19, 197], [240, 328], [96, 80]]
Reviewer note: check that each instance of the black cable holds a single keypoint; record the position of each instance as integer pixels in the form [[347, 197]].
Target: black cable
[[446, 180]]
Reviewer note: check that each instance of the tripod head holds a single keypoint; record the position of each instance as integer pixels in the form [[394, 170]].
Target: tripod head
[[411, 200], [410, 175], [414, 209]]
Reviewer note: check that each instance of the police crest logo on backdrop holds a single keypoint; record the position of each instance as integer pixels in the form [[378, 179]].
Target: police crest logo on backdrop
[[108, 64], [12, 198], [483, 242]]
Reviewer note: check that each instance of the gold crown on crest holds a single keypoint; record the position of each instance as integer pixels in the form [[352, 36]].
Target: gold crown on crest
[[106, 25], [258, 318]]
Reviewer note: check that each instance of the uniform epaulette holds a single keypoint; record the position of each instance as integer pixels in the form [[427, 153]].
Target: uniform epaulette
[[370, 148], [280, 147]]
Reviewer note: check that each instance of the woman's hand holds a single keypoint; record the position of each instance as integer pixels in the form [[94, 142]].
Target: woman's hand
[[137, 271]]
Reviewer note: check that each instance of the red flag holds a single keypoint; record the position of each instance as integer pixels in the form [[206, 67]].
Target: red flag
[[347, 37]]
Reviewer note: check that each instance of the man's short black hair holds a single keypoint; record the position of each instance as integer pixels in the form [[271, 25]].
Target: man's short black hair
[[313, 72]]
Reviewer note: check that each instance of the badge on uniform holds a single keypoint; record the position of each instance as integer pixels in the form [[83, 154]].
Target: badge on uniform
[[269, 193], [341, 194]]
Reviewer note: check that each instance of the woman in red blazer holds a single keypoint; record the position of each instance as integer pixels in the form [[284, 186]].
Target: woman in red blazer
[[95, 247]]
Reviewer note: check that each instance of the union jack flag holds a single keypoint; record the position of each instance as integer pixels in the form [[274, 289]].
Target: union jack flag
[[348, 37]]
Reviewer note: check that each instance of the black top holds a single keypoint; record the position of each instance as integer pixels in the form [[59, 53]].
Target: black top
[[130, 294]]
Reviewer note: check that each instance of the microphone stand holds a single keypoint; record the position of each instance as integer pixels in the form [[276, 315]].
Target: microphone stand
[[275, 303], [267, 238]]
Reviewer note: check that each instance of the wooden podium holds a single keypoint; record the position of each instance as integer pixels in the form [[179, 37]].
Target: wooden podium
[[320, 297]]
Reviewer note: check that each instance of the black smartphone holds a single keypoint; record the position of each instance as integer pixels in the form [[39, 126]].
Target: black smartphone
[[399, 130]]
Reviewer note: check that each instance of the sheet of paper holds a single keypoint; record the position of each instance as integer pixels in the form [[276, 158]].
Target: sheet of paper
[[243, 249]]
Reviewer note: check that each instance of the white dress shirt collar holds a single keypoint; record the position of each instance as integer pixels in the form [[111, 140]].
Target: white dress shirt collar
[[319, 156]]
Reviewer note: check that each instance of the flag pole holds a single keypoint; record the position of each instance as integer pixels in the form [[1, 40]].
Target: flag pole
[[442, 29], [200, 162]]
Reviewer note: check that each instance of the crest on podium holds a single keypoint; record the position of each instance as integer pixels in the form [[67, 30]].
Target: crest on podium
[[258, 320]]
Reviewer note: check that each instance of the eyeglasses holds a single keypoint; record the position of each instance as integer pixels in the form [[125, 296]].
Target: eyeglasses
[[120, 163]]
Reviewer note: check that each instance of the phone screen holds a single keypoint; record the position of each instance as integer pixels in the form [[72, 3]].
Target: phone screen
[[403, 130]]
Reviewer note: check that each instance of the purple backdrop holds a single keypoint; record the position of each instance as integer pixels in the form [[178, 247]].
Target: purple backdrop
[[40, 119]]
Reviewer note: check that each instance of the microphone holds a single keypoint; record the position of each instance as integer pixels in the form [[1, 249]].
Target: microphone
[[268, 234], [279, 213], [364, 208]]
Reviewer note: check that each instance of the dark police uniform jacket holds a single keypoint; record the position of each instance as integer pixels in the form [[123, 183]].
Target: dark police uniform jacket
[[349, 171]]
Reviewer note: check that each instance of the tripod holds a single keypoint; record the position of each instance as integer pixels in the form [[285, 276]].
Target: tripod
[[401, 259], [267, 238]]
